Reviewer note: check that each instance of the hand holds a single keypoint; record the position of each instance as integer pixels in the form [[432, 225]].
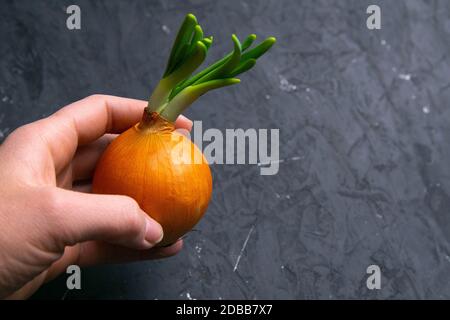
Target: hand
[[47, 221]]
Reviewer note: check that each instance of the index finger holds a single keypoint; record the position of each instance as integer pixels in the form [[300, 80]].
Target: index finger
[[99, 114], [87, 120]]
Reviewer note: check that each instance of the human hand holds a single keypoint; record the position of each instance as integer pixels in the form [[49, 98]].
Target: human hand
[[47, 220]]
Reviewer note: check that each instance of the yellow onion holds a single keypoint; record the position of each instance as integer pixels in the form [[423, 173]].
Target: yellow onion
[[156, 166]]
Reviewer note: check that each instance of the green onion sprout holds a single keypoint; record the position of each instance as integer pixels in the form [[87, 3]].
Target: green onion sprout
[[179, 88]]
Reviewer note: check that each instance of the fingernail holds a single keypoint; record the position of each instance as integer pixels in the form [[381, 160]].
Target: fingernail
[[153, 232]]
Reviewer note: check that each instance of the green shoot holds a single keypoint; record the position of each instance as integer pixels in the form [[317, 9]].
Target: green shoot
[[178, 89], [186, 97]]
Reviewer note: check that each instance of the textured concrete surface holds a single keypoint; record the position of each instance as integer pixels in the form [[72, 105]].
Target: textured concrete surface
[[365, 127]]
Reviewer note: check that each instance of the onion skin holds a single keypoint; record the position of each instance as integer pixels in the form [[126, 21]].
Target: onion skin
[[145, 164]]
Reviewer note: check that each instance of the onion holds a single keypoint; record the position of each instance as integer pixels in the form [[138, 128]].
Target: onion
[[154, 164], [141, 164]]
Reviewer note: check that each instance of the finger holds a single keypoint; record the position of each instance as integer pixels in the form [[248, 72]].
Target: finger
[[87, 156], [183, 123], [79, 123], [87, 120], [75, 217], [96, 115], [95, 252], [28, 289], [92, 253]]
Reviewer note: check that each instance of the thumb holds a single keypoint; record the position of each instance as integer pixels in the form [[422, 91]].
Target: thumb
[[111, 218]]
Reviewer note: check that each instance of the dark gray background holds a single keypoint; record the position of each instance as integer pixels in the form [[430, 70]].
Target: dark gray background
[[364, 131]]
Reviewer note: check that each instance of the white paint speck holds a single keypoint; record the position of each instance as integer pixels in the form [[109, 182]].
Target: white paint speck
[[165, 29], [267, 96], [385, 44], [282, 267], [65, 294], [288, 196], [447, 257], [269, 163], [404, 76], [308, 90], [295, 158], [286, 86], [426, 109], [188, 295], [198, 249], [243, 248], [277, 195], [379, 216], [5, 99]]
